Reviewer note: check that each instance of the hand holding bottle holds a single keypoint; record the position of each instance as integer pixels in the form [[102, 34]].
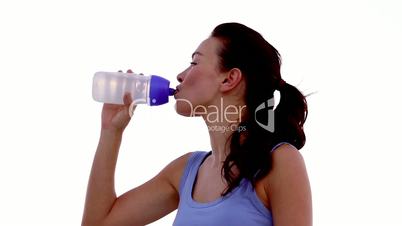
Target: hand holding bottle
[[115, 117]]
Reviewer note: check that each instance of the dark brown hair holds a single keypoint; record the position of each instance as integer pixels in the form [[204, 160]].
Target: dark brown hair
[[259, 62]]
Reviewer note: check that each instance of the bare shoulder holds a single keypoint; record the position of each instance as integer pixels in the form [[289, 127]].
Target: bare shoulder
[[286, 156], [174, 170], [287, 165], [288, 188]]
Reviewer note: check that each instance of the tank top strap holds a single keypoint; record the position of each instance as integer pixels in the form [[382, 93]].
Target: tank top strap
[[191, 169], [194, 162], [280, 144]]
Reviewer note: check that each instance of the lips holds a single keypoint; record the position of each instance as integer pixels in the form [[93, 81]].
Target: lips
[[176, 91]]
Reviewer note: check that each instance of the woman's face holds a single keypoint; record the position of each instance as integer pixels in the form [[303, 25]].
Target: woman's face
[[200, 82]]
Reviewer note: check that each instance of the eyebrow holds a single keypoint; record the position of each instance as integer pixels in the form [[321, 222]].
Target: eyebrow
[[195, 53]]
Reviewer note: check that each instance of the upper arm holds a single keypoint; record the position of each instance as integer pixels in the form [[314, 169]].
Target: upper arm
[[288, 188], [150, 201]]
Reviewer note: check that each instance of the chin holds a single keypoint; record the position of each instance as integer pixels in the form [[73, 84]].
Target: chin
[[184, 109]]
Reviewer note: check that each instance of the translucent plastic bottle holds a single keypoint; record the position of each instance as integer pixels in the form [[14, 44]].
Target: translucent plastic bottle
[[110, 87]]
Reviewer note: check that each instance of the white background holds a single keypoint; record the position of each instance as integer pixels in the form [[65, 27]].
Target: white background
[[348, 52]]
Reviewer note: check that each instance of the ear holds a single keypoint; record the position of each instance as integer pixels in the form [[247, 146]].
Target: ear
[[231, 79]]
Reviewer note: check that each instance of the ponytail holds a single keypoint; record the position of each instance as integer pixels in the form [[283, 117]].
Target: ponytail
[[250, 149], [290, 115]]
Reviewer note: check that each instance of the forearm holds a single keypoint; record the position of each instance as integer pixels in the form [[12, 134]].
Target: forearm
[[101, 191]]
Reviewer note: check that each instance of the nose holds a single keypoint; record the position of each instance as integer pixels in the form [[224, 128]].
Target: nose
[[180, 77]]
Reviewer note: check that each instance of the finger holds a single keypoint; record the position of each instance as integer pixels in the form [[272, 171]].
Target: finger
[[131, 105], [127, 99], [131, 109]]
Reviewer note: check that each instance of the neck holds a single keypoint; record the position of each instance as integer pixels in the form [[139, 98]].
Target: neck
[[222, 120], [220, 144]]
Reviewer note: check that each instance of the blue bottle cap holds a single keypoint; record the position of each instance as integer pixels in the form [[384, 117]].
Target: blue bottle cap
[[159, 90]]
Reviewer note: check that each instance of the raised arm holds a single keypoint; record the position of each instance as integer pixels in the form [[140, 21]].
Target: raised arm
[[139, 206]]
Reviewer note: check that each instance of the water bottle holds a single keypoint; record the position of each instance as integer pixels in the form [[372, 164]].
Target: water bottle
[[110, 87]]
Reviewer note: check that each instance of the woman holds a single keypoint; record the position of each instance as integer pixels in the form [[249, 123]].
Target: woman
[[254, 174]]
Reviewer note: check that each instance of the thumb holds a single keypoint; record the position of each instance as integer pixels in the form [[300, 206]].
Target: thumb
[[128, 102]]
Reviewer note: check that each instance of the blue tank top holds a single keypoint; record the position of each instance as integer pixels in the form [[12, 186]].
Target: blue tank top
[[241, 207]]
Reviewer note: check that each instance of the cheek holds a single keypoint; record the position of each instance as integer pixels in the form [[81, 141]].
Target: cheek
[[192, 76], [200, 79], [198, 88]]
